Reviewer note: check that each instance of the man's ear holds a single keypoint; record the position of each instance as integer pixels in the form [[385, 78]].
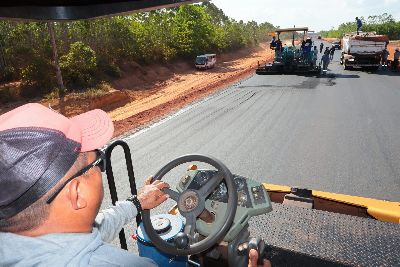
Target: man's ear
[[76, 198]]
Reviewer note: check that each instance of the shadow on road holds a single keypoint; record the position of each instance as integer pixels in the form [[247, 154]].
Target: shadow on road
[[385, 73], [311, 81], [301, 74], [329, 79], [341, 76]]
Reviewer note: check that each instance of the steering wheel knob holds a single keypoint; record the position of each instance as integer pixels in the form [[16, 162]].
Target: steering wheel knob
[[181, 240], [189, 201]]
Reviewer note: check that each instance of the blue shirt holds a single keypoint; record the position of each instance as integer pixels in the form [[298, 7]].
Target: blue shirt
[[75, 249], [359, 23], [325, 59]]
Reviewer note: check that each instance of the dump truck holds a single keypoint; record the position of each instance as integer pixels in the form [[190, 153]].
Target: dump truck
[[363, 51]]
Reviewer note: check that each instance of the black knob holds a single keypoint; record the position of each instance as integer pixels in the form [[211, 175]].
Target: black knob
[[181, 240]]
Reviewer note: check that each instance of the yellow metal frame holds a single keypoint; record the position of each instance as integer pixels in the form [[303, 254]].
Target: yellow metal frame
[[381, 210]]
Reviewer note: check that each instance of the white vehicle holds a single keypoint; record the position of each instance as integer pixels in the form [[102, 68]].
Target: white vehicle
[[206, 61], [364, 50]]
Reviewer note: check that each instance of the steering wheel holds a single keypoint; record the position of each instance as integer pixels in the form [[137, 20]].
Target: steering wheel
[[191, 204]]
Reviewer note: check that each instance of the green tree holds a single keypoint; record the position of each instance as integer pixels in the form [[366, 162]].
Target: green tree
[[92, 50], [193, 31], [381, 24], [79, 66]]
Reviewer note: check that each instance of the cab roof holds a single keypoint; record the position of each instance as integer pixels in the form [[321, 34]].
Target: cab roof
[[53, 10], [302, 29]]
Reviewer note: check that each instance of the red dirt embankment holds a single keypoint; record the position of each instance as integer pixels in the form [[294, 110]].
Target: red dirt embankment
[[330, 40], [147, 93], [184, 86]]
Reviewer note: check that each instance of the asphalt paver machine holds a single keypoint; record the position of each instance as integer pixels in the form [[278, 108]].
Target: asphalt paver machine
[[291, 58]]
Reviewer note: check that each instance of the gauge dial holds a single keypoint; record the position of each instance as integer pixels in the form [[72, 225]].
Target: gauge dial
[[221, 193], [202, 178], [240, 183], [242, 198], [222, 190]]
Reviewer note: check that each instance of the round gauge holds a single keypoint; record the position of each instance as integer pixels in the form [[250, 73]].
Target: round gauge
[[221, 192], [202, 178], [242, 198], [240, 183], [222, 189]]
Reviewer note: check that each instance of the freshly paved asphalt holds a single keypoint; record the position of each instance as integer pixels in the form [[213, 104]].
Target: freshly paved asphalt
[[339, 133]]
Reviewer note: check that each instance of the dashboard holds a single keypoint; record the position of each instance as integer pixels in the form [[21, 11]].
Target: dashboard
[[221, 192], [253, 200]]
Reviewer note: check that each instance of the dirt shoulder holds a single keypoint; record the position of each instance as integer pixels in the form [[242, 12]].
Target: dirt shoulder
[[148, 93], [330, 40], [185, 87]]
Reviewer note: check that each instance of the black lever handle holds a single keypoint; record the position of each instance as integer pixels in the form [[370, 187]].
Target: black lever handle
[[259, 245]]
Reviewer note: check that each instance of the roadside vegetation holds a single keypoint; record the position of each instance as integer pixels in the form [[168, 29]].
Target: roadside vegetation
[[90, 52], [381, 24]]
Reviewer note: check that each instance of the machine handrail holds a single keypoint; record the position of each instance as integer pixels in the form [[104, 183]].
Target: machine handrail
[[111, 181]]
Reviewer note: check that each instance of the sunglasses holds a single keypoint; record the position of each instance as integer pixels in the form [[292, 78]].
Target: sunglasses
[[99, 162]]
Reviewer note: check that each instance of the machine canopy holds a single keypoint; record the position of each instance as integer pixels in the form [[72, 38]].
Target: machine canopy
[[302, 29], [53, 10]]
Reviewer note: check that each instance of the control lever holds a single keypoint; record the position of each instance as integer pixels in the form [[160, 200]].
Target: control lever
[[259, 245], [182, 240], [253, 243], [239, 248]]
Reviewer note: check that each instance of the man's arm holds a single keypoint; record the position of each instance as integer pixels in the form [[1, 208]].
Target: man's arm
[[110, 221]]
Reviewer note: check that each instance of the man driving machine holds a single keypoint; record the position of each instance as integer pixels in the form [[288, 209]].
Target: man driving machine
[[51, 191]]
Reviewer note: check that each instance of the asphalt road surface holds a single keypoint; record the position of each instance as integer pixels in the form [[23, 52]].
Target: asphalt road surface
[[339, 133]]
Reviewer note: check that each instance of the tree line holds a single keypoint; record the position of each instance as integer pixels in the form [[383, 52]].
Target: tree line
[[91, 51], [381, 24]]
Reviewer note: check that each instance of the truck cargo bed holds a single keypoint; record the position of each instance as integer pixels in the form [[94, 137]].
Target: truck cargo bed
[[364, 44]]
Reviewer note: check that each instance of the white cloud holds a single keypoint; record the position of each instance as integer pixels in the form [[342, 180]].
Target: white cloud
[[316, 14]]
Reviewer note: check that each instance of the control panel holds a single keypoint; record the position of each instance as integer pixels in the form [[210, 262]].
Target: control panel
[[253, 200]]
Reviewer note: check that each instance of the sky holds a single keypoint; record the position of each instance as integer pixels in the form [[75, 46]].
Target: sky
[[315, 14]]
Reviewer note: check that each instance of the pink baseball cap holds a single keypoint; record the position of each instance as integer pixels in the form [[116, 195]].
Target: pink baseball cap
[[37, 148]]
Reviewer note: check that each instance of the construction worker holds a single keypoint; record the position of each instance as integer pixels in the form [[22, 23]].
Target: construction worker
[[395, 64], [359, 25], [272, 45], [307, 50], [325, 62], [303, 44], [278, 49], [385, 55], [332, 52], [315, 56], [321, 47], [327, 51]]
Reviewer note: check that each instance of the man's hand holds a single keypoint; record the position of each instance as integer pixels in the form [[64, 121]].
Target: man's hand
[[150, 195], [253, 257]]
